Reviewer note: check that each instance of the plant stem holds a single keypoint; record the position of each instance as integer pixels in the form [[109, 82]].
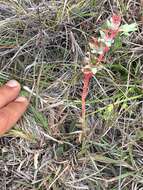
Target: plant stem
[[87, 76]]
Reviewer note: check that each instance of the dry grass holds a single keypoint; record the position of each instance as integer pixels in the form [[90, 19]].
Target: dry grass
[[41, 45]]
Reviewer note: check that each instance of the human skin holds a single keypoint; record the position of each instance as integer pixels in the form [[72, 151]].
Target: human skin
[[12, 106]]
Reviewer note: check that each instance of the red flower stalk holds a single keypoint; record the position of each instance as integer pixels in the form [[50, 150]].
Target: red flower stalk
[[87, 76]]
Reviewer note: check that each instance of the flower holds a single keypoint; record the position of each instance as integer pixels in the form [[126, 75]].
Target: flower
[[107, 38], [115, 22], [116, 19]]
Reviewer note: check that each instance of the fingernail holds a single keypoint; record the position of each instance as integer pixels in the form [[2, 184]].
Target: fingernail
[[21, 99], [12, 83]]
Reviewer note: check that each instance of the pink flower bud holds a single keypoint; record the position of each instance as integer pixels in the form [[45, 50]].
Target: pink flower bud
[[116, 19]]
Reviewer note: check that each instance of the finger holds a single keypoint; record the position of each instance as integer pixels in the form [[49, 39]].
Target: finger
[[9, 92], [11, 113]]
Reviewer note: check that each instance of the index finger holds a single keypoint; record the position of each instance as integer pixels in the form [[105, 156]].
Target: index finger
[[11, 113]]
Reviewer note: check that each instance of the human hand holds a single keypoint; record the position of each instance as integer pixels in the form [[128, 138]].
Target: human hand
[[11, 106]]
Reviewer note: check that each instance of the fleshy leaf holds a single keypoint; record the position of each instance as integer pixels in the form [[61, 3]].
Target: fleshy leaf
[[91, 45], [126, 28], [97, 50], [109, 43], [109, 24], [94, 70], [102, 34]]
